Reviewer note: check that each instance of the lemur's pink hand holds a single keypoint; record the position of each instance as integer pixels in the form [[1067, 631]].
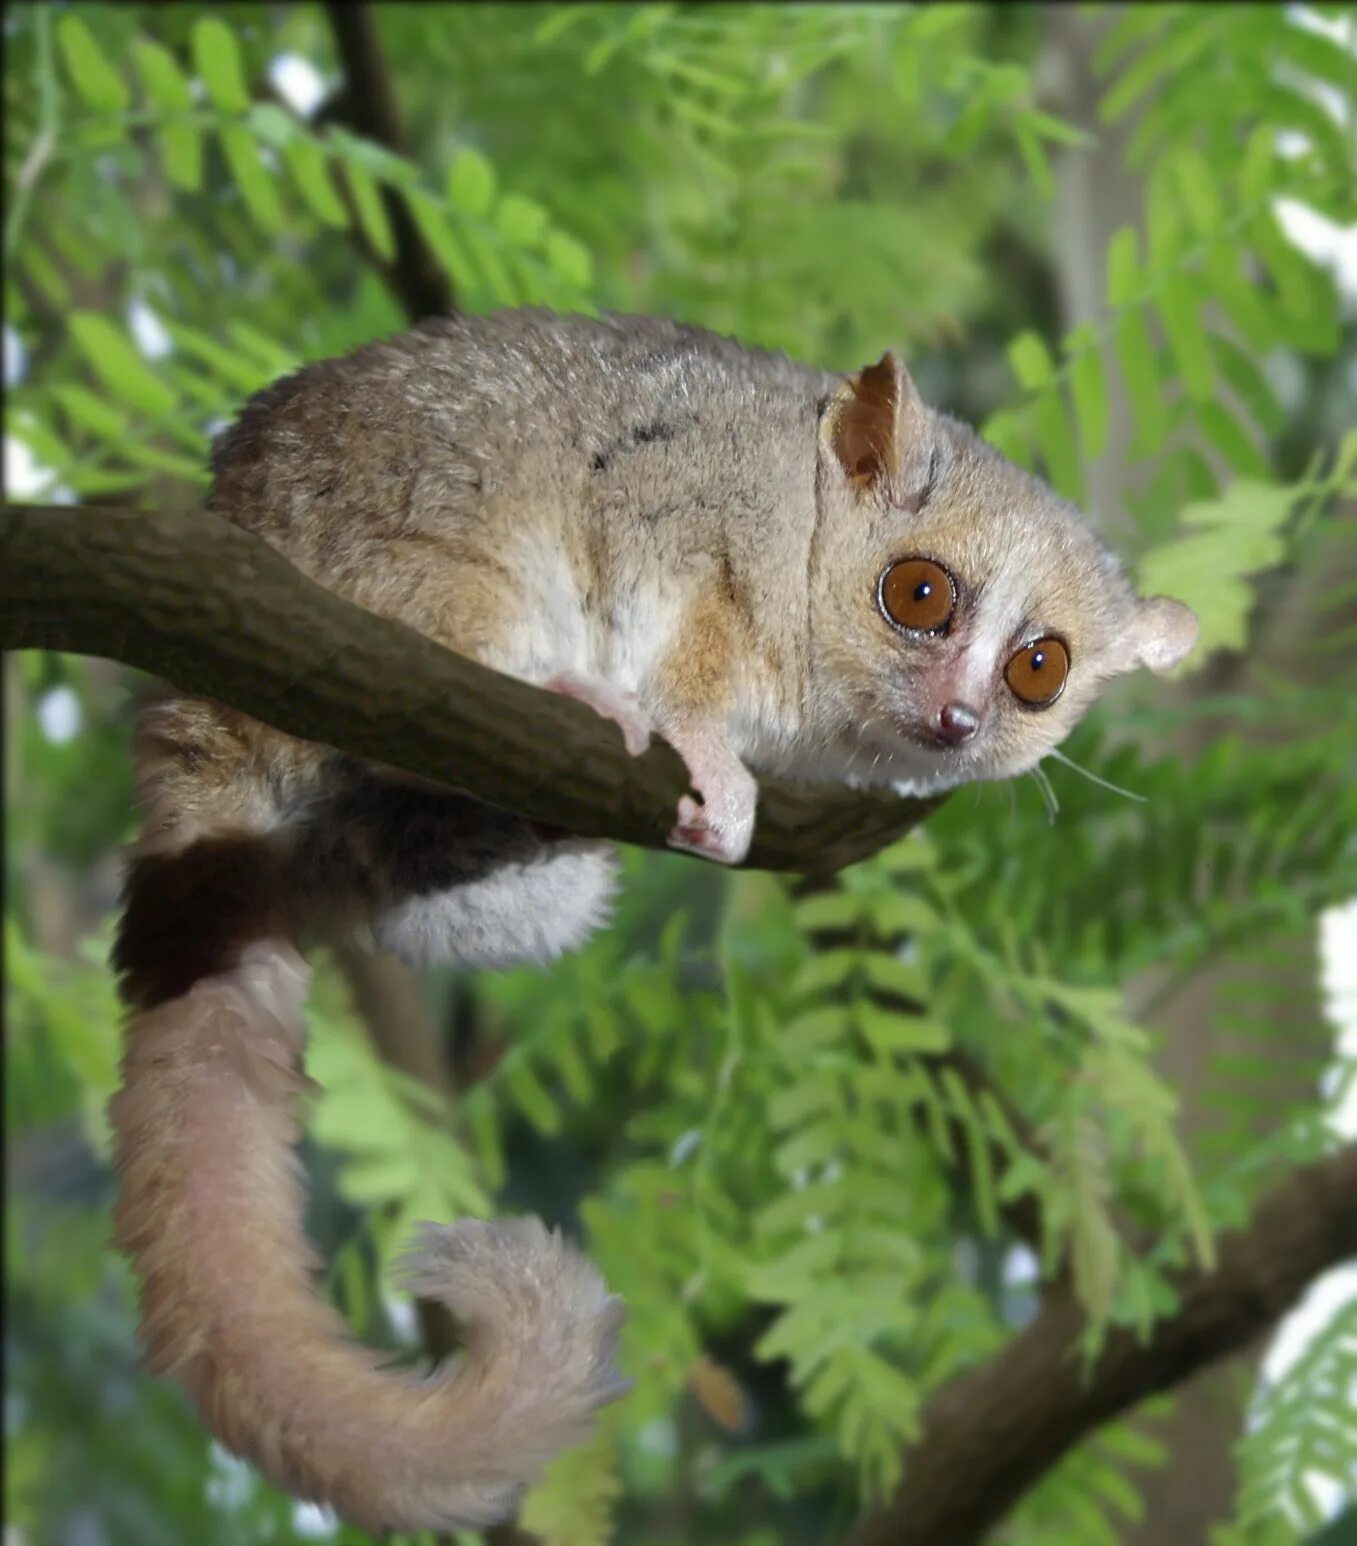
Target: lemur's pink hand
[[719, 826], [608, 702]]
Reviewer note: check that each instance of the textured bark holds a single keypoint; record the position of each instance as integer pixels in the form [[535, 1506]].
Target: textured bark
[[992, 1432], [216, 610]]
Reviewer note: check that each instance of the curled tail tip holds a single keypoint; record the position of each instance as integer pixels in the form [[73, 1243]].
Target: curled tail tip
[[526, 1285], [519, 1254]]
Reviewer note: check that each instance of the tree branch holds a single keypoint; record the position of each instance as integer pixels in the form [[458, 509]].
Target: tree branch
[[992, 1432], [217, 611], [369, 106]]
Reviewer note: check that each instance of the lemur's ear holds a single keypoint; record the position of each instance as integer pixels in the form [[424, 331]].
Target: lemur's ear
[[1165, 631], [869, 421]]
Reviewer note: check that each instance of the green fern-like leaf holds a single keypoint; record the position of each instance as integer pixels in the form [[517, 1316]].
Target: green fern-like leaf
[[397, 1147], [574, 1502], [1301, 1432]]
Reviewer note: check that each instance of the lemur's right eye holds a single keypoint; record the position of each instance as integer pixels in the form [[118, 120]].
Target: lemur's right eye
[[917, 594]]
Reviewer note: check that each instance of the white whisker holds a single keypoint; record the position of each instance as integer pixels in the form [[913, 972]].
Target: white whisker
[[1093, 778], [1047, 793]]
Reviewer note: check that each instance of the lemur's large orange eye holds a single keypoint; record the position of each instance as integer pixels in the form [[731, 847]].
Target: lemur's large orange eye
[[1037, 673], [916, 593]]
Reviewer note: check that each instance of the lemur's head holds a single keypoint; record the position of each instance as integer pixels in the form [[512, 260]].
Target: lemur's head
[[965, 616]]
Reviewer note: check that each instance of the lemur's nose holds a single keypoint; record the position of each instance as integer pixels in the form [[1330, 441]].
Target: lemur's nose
[[957, 722]]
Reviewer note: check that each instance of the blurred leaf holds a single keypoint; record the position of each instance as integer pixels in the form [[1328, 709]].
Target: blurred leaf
[[371, 211], [181, 143], [471, 182], [311, 172], [119, 366], [89, 70], [216, 57], [252, 179], [1233, 537]]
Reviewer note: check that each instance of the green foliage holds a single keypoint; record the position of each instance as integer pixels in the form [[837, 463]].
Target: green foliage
[[860, 1145], [1088, 1497], [799, 1133], [1106, 1102], [599, 1012], [63, 1022], [399, 1157], [1300, 1433], [1210, 284], [573, 1504], [496, 251], [1252, 528]]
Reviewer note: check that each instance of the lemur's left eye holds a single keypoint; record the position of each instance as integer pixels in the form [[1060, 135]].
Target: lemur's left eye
[[916, 593], [1036, 675]]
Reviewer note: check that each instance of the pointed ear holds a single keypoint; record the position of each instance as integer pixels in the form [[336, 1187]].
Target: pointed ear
[[1164, 633], [863, 424]]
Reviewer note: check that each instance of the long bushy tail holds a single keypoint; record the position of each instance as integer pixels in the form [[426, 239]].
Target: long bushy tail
[[211, 1214]]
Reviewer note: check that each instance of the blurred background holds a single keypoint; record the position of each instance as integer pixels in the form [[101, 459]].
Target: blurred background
[[795, 1125]]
